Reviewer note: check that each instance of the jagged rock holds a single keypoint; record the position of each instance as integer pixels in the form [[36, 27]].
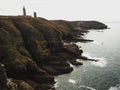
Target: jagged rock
[[33, 52], [73, 49], [74, 62], [91, 25], [21, 85], [56, 66]]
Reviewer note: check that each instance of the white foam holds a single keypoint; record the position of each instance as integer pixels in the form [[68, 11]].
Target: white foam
[[101, 61], [87, 55], [72, 81], [78, 60], [97, 43], [117, 87], [114, 88], [70, 64], [56, 84], [56, 80], [87, 87]]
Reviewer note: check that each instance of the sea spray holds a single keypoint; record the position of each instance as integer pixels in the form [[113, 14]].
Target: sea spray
[[101, 60], [114, 88], [97, 43], [56, 84], [117, 87], [70, 64], [101, 63], [72, 81]]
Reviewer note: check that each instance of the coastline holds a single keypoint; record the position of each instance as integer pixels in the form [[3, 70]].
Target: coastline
[[39, 49]]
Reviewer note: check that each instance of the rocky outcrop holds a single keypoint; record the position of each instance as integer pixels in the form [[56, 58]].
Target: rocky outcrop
[[77, 29], [34, 50], [90, 25], [24, 45], [11, 84]]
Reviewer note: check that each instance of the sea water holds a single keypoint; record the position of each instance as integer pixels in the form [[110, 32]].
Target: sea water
[[101, 75]]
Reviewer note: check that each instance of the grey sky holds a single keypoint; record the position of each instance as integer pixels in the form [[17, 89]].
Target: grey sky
[[103, 10]]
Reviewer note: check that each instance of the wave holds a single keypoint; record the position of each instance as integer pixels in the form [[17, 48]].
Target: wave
[[114, 88], [87, 55], [72, 81], [78, 60], [87, 87], [117, 87], [97, 43], [101, 61], [70, 64], [56, 84]]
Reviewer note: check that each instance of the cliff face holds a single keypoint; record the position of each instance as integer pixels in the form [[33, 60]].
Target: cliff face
[[32, 51], [27, 47], [22, 45]]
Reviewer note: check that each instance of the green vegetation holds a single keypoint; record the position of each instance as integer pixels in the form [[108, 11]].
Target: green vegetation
[[32, 50]]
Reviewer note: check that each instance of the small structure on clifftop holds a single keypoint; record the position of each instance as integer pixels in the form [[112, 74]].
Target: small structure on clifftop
[[35, 14], [24, 11]]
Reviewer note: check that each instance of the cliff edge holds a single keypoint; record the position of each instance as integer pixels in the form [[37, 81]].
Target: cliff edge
[[34, 50]]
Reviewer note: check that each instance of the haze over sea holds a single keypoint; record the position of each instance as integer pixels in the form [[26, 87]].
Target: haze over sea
[[101, 75]]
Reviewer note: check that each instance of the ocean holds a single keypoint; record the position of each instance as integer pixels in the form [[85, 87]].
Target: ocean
[[101, 75]]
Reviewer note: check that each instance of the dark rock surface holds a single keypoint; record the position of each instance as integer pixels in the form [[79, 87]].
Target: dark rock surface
[[34, 50], [3, 77], [77, 29], [91, 25]]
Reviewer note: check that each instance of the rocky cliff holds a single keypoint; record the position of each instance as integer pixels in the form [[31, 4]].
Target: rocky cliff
[[34, 50]]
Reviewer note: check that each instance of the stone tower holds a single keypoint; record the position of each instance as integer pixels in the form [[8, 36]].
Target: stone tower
[[35, 14], [24, 11]]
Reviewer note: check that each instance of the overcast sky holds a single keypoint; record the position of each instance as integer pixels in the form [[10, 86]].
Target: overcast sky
[[102, 10]]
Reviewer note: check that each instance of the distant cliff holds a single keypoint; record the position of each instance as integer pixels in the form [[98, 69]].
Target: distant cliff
[[33, 50]]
